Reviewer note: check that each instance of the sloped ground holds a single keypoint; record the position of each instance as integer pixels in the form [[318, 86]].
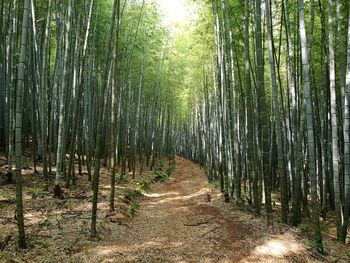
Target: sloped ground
[[56, 229], [175, 223]]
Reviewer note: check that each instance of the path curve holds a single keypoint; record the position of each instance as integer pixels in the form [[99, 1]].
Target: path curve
[[175, 223]]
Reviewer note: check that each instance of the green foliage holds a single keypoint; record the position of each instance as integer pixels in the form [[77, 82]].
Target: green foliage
[[34, 192], [170, 169], [134, 206], [324, 227], [46, 222], [8, 198], [160, 176], [304, 228], [131, 194], [123, 180], [245, 196], [240, 203], [143, 186], [317, 244], [101, 24], [215, 184]]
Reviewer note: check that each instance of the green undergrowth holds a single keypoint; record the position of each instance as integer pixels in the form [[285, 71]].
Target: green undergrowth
[[160, 175], [170, 169], [134, 206], [215, 184], [34, 192], [46, 222], [239, 203], [6, 199], [305, 228], [143, 186], [123, 180], [132, 195]]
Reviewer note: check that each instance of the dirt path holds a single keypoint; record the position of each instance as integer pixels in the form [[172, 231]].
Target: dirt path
[[175, 223]]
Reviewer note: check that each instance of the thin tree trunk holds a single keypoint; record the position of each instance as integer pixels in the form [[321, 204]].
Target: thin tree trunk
[[76, 107], [19, 128], [310, 129], [43, 93], [263, 116], [105, 83], [346, 128], [114, 112], [12, 87], [62, 95], [276, 108], [334, 122]]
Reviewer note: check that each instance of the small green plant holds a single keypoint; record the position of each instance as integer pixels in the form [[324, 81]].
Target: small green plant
[[47, 222], [245, 198], [159, 176], [65, 204], [132, 194], [8, 198], [123, 180], [170, 169], [34, 192], [143, 186], [215, 184], [239, 202], [317, 244], [304, 228], [324, 227], [133, 208]]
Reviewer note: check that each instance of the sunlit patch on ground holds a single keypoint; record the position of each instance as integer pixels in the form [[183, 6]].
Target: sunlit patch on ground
[[177, 197], [276, 248], [273, 248], [157, 195], [174, 223]]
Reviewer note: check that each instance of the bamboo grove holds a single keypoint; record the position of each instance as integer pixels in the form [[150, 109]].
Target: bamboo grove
[[84, 82], [256, 92], [272, 121]]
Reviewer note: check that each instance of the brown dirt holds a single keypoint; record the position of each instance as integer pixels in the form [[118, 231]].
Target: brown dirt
[[174, 223]]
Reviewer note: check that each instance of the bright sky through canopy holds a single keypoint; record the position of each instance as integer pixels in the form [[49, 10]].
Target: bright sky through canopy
[[176, 11]]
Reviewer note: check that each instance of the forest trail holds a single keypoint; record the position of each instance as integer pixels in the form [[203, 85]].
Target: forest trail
[[175, 223]]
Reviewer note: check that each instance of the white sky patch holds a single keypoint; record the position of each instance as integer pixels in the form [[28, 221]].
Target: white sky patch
[[177, 11]]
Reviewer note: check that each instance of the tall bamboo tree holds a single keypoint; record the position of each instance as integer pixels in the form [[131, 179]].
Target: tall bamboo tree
[[310, 128], [103, 94], [19, 123], [346, 127], [276, 107]]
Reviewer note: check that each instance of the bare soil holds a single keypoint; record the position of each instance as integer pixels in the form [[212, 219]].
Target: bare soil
[[176, 222]]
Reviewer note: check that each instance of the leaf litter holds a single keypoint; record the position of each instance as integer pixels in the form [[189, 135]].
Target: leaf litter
[[175, 222]]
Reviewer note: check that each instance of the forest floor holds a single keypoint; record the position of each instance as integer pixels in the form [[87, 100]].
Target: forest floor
[[175, 222]]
